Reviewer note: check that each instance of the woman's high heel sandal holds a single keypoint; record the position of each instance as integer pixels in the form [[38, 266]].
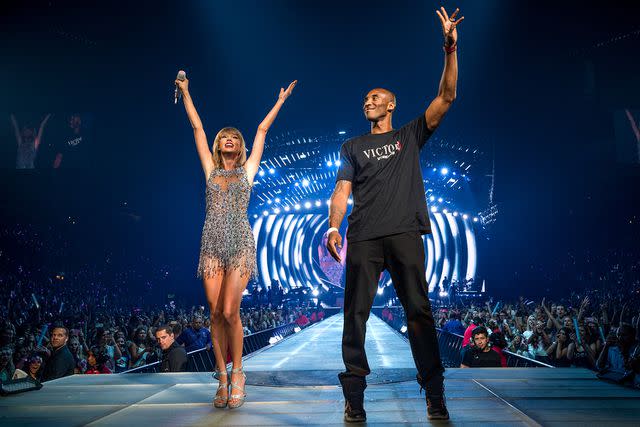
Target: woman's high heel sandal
[[237, 400], [221, 401]]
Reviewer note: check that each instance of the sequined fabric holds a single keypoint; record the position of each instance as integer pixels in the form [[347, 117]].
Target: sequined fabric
[[227, 239]]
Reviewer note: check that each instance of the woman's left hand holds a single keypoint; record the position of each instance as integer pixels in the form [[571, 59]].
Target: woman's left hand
[[284, 94]]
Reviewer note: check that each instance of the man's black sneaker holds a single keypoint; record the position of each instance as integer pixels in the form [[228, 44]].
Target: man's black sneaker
[[354, 415], [353, 389], [436, 408]]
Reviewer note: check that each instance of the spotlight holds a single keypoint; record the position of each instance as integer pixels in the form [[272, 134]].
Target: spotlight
[[444, 211], [269, 202], [435, 169], [465, 216], [329, 163], [277, 199], [328, 202], [380, 291], [444, 171], [276, 210], [455, 214], [287, 208], [305, 182], [341, 132], [315, 292], [261, 173], [349, 201], [439, 199], [307, 205], [265, 213], [272, 171], [297, 206], [434, 209], [255, 215], [475, 219], [403, 330], [318, 204], [432, 198]]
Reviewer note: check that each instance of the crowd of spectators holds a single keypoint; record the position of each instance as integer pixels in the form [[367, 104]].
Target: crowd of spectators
[[596, 327], [89, 320]]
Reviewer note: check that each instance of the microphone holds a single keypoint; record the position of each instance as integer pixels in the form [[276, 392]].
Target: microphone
[[177, 94]]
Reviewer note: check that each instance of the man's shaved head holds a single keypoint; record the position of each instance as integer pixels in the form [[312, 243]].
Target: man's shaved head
[[379, 104], [380, 90]]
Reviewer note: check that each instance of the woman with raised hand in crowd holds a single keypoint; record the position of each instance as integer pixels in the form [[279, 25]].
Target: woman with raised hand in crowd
[[227, 249]]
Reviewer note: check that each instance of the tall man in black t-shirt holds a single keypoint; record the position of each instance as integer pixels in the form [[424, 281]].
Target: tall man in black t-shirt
[[389, 216]]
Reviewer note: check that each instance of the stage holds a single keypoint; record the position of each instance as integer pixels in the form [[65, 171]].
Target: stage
[[294, 383]]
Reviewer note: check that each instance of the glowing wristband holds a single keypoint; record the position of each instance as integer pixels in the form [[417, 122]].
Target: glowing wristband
[[331, 229]]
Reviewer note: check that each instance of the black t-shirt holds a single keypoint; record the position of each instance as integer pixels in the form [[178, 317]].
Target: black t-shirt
[[73, 147], [388, 192], [174, 359], [60, 364], [480, 359]]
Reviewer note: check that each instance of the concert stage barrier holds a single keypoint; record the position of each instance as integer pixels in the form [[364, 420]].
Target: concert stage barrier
[[451, 346], [202, 360], [295, 383]]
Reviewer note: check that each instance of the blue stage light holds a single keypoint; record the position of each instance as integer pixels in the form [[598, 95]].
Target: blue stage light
[[277, 199], [297, 206], [341, 132], [444, 171], [261, 173], [272, 171], [307, 205], [287, 208], [432, 198], [439, 199], [465, 216], [318, 204], [329, 163], [305, 182], [434, 209], [338, 162], [265, 213]]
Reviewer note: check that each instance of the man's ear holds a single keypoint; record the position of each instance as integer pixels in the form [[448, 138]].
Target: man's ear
[[391, 106]]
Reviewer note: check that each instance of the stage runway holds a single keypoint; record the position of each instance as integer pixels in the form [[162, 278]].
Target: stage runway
[[294, 383]]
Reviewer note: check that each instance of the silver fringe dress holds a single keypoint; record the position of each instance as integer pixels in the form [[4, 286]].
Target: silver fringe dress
[[227, 239]]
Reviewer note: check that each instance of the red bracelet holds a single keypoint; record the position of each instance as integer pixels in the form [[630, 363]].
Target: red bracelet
[[451, 48]]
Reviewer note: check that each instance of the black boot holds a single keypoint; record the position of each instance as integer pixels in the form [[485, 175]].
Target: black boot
[[436, 402], [353, 389]]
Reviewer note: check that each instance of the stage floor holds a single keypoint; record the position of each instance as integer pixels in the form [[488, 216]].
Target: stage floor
[[294, 383]]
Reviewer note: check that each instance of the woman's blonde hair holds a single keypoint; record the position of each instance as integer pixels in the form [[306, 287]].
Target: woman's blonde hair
[[215, 149]]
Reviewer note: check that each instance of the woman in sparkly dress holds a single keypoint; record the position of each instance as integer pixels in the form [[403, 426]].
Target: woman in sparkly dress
[[227, 249]]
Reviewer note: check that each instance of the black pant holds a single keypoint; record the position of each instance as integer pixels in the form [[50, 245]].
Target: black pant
[[402, 255]]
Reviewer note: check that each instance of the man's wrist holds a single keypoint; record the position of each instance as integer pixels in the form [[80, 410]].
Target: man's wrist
[[332, 229], [450, 47]]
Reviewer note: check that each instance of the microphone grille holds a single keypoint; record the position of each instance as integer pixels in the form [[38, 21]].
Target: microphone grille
[[181, 75]]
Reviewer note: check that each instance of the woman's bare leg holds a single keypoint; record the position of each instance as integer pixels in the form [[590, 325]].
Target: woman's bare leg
[[213, 288], [234, 286]]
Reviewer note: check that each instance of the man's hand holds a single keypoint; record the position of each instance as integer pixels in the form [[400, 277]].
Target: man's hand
[[334, 244], [449, 24]]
